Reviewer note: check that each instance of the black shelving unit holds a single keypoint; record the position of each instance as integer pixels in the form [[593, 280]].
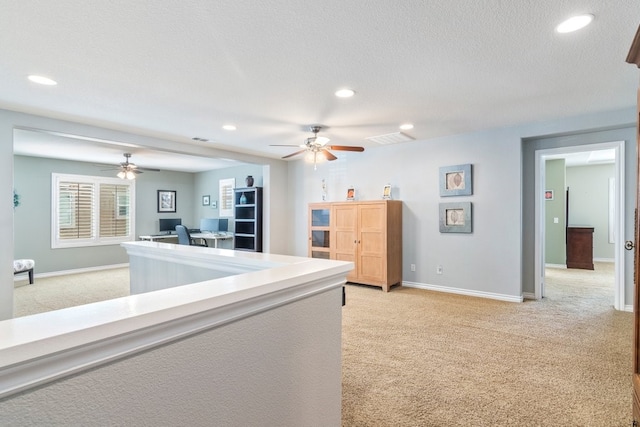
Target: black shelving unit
[[248, 219]]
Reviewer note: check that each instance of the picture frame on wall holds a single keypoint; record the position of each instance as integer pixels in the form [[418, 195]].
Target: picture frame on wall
[[456, 180], [206, 200], [548, 194], [455, 217], [166, 201]]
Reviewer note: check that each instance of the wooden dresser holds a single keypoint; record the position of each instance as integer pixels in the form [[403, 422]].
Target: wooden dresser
[[580, 247]]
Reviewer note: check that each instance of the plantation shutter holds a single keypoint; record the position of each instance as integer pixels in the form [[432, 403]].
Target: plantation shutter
[[114, 210], [75, 210]]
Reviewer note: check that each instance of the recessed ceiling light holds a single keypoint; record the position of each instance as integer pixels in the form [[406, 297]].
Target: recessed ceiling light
[[345, 93], [574, 23], [406, 126], [229, 127], [42, 80]]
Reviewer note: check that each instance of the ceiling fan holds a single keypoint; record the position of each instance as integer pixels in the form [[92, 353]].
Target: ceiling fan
[[316, 147], [128, 170]]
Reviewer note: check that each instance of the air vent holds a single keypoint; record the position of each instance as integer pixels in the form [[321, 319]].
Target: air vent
[[391, 138]]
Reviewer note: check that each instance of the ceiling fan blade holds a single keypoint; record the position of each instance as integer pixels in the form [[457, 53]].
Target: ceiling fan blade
[[148, 169], [328, 155], [344, 148], [293, 154]]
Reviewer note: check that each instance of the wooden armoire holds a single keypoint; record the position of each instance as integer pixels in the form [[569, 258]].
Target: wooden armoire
[[367, 233]]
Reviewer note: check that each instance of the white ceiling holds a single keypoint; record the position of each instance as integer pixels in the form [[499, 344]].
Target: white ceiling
[[182, 69]]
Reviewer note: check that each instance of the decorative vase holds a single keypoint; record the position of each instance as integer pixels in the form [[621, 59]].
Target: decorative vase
[[243, 199], [249, 181]]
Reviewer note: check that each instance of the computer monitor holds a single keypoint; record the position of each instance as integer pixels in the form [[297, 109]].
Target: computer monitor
[[168, 225], [214, 225], [209, 224]]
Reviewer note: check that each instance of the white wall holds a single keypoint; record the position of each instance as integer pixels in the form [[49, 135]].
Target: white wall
[[277, 367]]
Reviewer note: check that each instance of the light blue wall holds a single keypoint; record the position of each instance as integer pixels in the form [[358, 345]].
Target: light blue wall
[[589, 204], [207, 183], [498, 257], [275, 178], [555, 251], [32, 222], [578, 131]]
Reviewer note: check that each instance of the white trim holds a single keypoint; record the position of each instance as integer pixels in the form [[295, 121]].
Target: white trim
[[555, 266], [460, 291], [529, 295], [95, 239], [43, 347], [76, 271], [618, 146]]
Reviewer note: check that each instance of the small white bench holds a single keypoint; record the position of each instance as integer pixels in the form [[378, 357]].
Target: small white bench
[[24, 266]]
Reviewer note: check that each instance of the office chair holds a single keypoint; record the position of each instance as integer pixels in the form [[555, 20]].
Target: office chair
[[184, 238]]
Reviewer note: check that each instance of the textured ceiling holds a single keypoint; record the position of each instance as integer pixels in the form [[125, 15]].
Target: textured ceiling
[[182, 69]]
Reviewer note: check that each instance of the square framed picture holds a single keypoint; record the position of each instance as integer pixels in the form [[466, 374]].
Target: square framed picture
[[206, 200], [455, 217], [166, 201], [548, 194], [456, 180]]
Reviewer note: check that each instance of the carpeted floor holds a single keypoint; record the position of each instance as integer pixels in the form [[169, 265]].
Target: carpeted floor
[[54, 293], [420, 358]]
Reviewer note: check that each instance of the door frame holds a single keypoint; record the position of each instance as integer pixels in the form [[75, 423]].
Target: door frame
[[619, 219]]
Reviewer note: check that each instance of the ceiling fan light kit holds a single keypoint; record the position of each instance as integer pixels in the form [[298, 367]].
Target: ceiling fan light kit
[[128, 170], [316, 148]]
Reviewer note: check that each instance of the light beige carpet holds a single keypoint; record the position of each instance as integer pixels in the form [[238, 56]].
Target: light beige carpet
[[54, 293], [420, 358]]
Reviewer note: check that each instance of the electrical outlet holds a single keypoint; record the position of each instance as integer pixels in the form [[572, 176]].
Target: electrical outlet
[[439, 269], [413, 267]]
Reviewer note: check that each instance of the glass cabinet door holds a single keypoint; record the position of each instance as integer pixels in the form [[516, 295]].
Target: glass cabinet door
[[319, 220]]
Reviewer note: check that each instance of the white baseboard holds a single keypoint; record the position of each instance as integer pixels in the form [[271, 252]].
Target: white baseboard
[[480, 294], [604, 260], [74, 271], [555, 265], [529, 295]]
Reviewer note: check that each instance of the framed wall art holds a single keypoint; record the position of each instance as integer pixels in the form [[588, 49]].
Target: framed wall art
[[456, 180], [206, 200], [455, 217], [166, 201], [548, 195]]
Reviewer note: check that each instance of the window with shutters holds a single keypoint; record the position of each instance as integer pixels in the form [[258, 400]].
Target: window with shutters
[[90, 210]]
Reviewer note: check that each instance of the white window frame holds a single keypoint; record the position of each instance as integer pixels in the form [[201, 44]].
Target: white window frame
[[95, 240]]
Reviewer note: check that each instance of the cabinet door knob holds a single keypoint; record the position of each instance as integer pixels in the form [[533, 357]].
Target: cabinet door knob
[[628, 245]]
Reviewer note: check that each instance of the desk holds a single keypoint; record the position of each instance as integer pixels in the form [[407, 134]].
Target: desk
[[159, 237], [212, 236]]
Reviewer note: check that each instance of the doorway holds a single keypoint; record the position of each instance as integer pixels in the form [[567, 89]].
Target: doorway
[[616, 228]]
